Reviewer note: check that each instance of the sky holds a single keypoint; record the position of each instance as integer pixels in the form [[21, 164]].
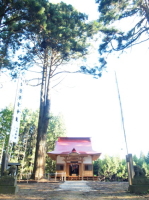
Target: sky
[[91, 106]]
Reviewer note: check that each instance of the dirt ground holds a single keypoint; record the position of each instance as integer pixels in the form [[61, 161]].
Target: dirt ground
[[51, 191]]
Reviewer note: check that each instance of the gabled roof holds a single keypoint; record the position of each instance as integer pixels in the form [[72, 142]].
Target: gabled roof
[[68, 145]]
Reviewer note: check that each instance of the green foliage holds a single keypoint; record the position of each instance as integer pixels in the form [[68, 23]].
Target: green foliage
[[114, 168], [15, 18], [142, 162], [59, 27], [110, 168], [5, 125], [24, 151], [112, 11], [55, 130], [65, 36], [147, 158]]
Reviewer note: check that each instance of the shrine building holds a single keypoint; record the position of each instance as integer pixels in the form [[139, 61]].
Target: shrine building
[[74, 156]]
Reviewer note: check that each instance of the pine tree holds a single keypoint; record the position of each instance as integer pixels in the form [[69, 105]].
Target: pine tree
[[15, 19], [112, 11], [65, 37]]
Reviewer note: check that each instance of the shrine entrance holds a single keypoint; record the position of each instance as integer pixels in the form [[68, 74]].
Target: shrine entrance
[[74, 157], [74, 170]]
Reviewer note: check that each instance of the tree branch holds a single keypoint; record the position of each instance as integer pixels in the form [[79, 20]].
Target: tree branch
[[34, 85], [65, 72]]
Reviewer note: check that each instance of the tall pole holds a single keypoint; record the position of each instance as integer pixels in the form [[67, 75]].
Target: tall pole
[[128, 156], [121, 110]]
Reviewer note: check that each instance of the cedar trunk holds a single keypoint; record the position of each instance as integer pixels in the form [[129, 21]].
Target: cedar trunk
[[40, 154]]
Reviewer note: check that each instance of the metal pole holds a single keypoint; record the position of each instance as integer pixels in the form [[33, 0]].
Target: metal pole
[[121, 110]]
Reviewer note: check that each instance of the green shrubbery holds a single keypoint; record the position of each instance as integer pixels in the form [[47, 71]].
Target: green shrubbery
[[112, 168]]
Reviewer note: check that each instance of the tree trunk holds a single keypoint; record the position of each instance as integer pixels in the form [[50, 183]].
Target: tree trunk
[[40, 154]]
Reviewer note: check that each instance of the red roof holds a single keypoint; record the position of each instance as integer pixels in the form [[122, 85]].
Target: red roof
[[67, 145]]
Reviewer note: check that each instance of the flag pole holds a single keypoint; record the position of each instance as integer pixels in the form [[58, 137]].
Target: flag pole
[[129, 159], [121, 111]]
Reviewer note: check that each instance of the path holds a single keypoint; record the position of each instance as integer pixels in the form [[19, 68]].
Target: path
[[75, 186], [53, 191]]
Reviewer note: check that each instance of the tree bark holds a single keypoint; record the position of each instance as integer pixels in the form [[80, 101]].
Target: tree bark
[[40, 154]]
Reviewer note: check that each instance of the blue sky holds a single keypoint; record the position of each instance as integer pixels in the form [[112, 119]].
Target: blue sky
[[90, 106]]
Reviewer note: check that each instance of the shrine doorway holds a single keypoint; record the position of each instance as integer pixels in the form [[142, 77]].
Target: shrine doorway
[[74, 169]]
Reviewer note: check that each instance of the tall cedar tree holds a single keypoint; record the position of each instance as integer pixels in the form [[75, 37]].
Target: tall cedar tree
[[112, 11], [64, 37]]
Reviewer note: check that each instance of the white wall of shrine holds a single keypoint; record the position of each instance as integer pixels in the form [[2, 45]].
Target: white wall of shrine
[[87, 160], [60, 159]]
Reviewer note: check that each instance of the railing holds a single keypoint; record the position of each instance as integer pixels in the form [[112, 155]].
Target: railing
[[26, 177], [62, 175], [49, 176]]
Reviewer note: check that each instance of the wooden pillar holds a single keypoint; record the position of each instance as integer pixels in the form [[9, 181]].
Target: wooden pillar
[[130, 168], [82, 167], [92, 166], [65, 165]]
